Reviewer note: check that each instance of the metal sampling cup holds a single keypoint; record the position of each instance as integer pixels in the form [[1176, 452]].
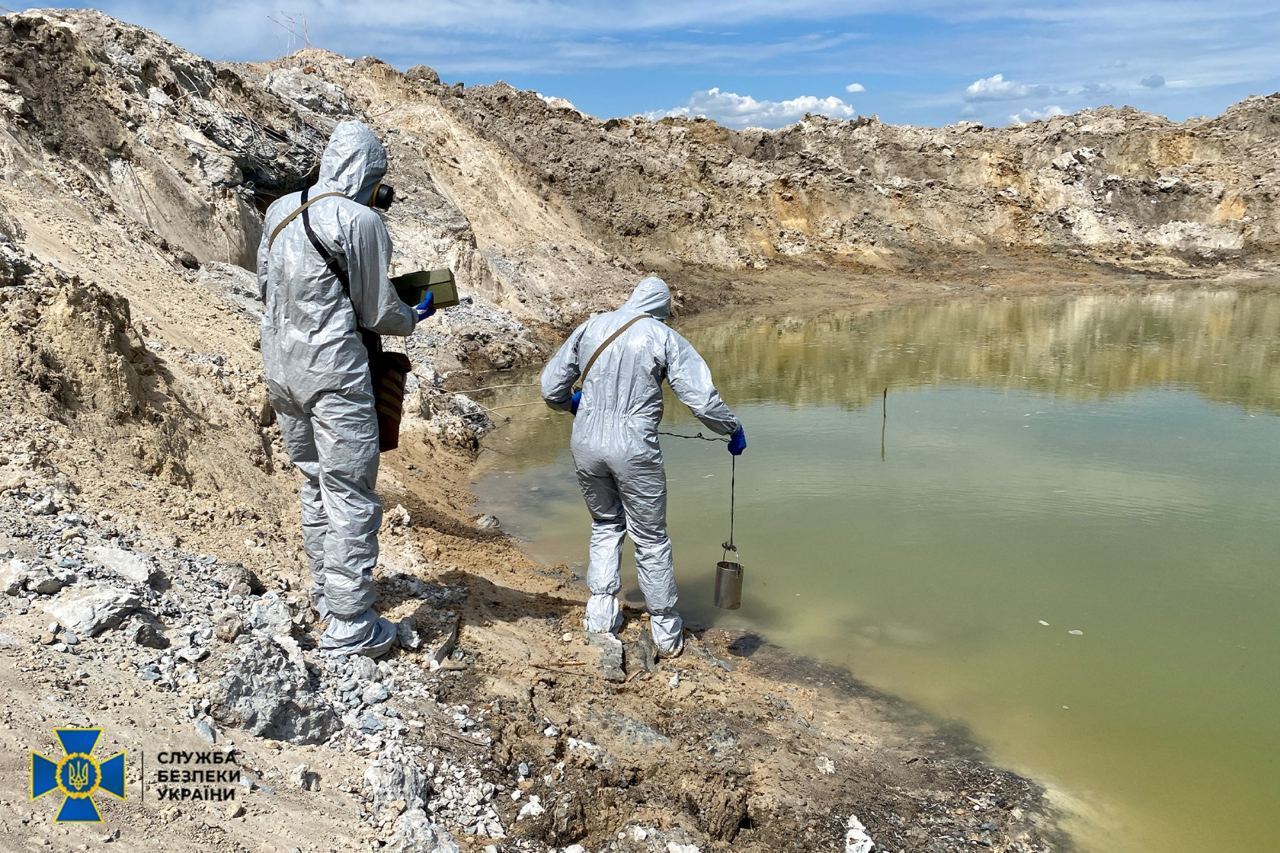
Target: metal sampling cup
[[729, 582]]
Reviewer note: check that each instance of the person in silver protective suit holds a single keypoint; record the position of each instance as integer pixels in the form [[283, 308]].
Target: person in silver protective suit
[[615, 446], [317, 371]]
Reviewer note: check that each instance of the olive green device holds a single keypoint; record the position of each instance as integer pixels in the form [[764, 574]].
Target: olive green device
[[412, 287]]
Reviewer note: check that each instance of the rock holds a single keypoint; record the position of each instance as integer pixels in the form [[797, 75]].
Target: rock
[[310, 90], [70, 639], [22, 577], [46, 583], [488, 522], [825, 765], [414, 832], [568, 819], [144, 630], [643, 653], [129, 565], [238, 580], [856, 839], [375, 693], [442, 639], [627, 729], [370, 724], [422, 74], [205, 730], [94, 611], [408, 635], [699, 650], [588, 753], [271, 614], [531, 808], [192, 654], [399, 517], [269, 692], [15, 577], [228, 626], [48, 639], [234, 810], [305, 778], [363, 668], [609, 660], [395, 776]]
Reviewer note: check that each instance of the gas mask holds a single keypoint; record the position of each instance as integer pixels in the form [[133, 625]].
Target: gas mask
[[382, 196]]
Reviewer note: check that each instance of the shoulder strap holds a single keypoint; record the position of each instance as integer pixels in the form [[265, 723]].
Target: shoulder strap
[[372, 341], [305, 204], [627, 325], [329, 260]]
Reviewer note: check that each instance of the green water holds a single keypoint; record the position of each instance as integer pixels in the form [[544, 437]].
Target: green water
[[1104, 464]]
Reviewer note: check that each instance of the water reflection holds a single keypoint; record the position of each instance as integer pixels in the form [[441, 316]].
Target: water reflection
[[1223, 345]]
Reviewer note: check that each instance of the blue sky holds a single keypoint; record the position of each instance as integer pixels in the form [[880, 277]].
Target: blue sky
[[756, 63]]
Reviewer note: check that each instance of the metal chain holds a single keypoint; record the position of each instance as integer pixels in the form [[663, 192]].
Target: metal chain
[[698, 435], [733, 490]]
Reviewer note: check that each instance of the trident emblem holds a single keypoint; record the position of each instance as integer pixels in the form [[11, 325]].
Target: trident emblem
[[78, 776]]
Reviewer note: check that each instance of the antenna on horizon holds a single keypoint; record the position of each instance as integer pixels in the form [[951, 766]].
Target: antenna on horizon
[[295, 26]]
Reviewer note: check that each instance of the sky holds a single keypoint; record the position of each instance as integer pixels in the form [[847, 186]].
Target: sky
[[751, 63]]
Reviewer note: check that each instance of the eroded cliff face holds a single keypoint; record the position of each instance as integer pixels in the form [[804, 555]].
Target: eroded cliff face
[[163, 148], [1120, 185]]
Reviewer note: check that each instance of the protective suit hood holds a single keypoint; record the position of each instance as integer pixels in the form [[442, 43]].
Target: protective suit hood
[[354, 162], [651, 296]]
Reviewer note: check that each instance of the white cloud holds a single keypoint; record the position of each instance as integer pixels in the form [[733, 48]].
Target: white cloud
[[1024, 116], [1094, 90], [739, 111], [855, 88], [1155, 81], [996, 88], [557, 103]]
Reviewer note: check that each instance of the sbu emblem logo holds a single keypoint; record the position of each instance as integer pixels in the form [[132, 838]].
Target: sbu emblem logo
[[78, 776]]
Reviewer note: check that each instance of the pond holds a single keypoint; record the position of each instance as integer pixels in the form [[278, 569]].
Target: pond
[[1058, 528]]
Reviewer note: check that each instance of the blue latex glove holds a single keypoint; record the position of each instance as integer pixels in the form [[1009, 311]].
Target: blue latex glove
[[425, 308], [738, 441], [574, 402]]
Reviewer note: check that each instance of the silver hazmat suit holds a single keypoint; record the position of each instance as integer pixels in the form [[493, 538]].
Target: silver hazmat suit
[[616, 452], [318, 382]]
